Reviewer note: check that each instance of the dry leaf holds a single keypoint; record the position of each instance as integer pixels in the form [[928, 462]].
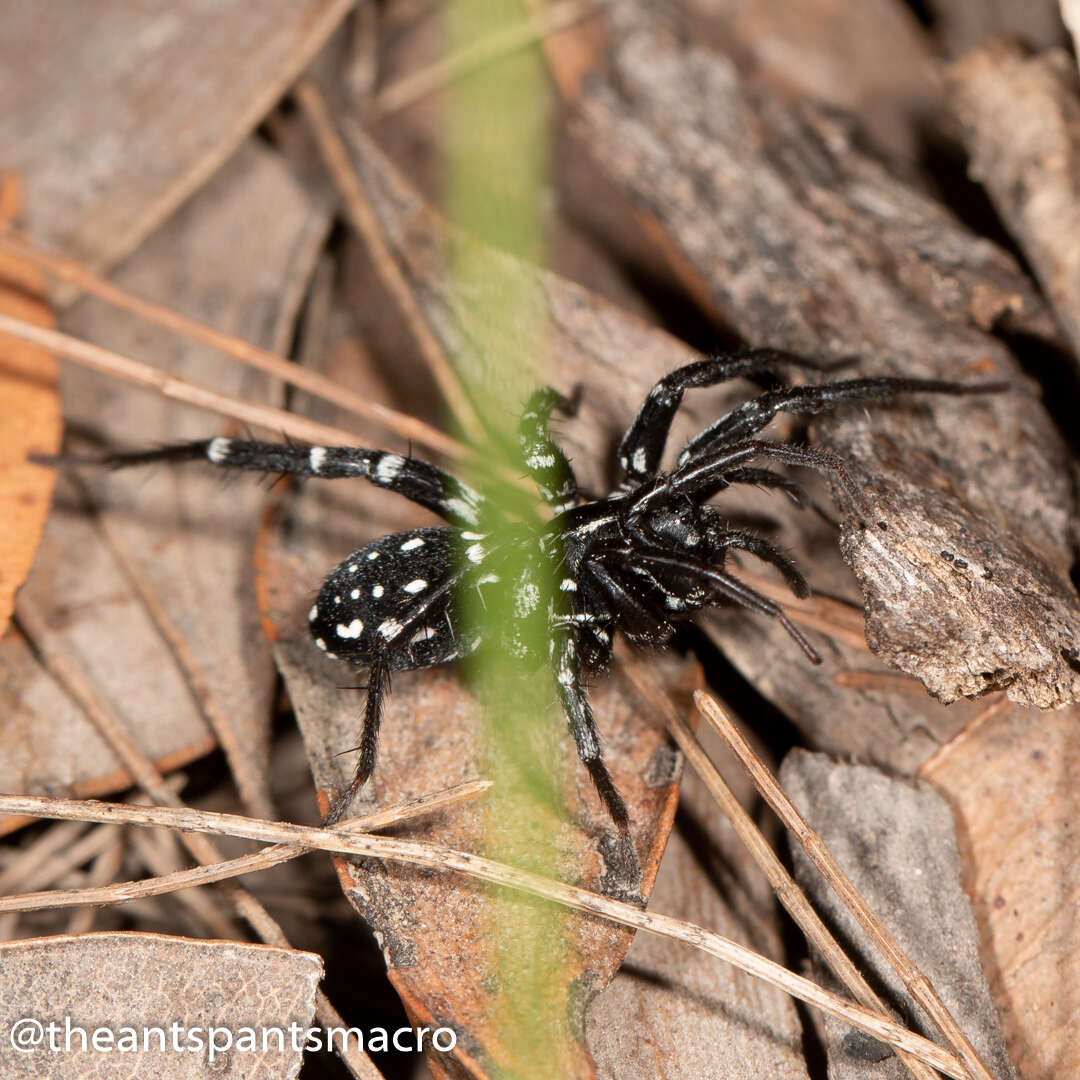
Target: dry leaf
[[126, 111], [129, 984], [147, 595], [678, 1014], [30, 420], [1011, 784]]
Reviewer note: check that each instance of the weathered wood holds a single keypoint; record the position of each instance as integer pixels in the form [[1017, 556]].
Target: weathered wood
[[1020, 117], [959, 25], [872, 60], [798, 240]]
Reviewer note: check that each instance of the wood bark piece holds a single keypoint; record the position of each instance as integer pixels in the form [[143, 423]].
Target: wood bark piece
[[1011, 785], [674, 1014], [896, 842], [959, 25], [130, 983], [435, 929], [796, 239], [872, 60], [29, 416], [1020, 117], [124, 112], [175, 539]]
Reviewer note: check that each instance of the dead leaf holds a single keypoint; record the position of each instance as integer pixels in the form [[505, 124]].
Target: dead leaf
[[134, 987], [141, 574], [1011, 785], [30, 421], [125, 112]]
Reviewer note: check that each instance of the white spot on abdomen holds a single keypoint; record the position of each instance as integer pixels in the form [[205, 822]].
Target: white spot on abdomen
[[353, 630], [377, 591], [415, 586], [413, 544]]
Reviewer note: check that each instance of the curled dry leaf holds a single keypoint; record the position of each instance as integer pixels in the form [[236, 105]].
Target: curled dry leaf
[[128, 984], [30, 421], [895, 840], [138, 573], [797, 239]]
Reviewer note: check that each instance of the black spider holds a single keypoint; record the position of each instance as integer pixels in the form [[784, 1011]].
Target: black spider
[[637, 560]]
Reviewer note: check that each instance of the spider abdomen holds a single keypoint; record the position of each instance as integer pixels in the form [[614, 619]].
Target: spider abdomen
[[393, 596]]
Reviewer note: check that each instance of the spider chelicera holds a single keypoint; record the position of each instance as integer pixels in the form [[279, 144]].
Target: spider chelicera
[[638, 560]]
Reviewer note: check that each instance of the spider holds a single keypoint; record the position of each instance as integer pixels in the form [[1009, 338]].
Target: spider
[[638, 560]]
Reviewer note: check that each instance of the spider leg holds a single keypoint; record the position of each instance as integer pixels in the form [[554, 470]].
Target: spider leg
[[643, 444], [688, 571], [579, 718], [762, 549], [378, 685], [765, 478], [546, 463], [637, 619], [417, 480], [703, 475], [750, 417]]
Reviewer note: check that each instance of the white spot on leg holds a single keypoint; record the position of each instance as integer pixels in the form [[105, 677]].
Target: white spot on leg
[[475, 553], [353, 630], [425, 634], [316, 458], [218, 450], [413, 544], [540, 461], [568, 584], [415, 586], [388, 468], [322, 644], [639, 459], [390, 629]]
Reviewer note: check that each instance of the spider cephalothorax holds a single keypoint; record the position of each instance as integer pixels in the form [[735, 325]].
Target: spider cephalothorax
[[637, 560]]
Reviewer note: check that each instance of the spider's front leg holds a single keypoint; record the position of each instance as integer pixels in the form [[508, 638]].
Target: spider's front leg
[[750, 417], [546, 463], [642, 447], [416, 480]]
